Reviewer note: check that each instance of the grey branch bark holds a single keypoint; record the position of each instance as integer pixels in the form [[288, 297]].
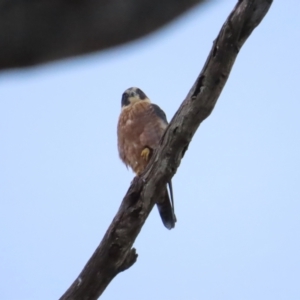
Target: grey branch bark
[[38, 31], [115, 252]]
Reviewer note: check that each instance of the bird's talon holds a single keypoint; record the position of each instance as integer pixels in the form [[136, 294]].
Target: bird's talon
[[145, 154]]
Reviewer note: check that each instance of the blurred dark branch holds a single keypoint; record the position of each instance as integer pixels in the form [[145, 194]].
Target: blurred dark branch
[[39, 31], [115, 253]]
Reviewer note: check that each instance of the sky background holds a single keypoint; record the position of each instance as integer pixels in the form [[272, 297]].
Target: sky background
[[237, 190]]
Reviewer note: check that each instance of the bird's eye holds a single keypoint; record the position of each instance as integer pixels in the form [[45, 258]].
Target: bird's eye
[[125, 100]]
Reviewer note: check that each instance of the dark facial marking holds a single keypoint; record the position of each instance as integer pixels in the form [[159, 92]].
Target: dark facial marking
[[141, 94], [125, 100]]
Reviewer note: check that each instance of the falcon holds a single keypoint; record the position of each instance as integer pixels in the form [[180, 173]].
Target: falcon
[[140, 128]]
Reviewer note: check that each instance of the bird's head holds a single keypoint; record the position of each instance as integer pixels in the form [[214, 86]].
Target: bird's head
[[133, 95]]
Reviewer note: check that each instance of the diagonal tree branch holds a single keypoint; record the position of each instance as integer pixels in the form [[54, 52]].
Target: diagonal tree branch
[[115, 253]]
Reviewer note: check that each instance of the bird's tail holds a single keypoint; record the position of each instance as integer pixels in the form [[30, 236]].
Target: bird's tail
[[166, 208]]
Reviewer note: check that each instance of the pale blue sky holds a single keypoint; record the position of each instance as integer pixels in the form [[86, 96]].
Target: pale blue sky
[[237, 190]]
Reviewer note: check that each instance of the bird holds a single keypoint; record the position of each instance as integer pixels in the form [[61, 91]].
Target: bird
[[140, 127]]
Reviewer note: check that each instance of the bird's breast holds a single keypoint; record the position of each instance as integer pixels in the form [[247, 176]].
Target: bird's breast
[[130, 128]]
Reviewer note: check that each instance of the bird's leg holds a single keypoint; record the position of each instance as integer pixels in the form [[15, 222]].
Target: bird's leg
[[145, 153]]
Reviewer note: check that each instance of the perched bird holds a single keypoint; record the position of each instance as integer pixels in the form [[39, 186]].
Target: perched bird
[[140, 127]]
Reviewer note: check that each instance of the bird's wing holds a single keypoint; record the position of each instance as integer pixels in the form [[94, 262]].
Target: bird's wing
[[153, 133], [154, 125]]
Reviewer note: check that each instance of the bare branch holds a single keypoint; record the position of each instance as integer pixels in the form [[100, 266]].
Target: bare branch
[[114, 252], [33, 32]]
